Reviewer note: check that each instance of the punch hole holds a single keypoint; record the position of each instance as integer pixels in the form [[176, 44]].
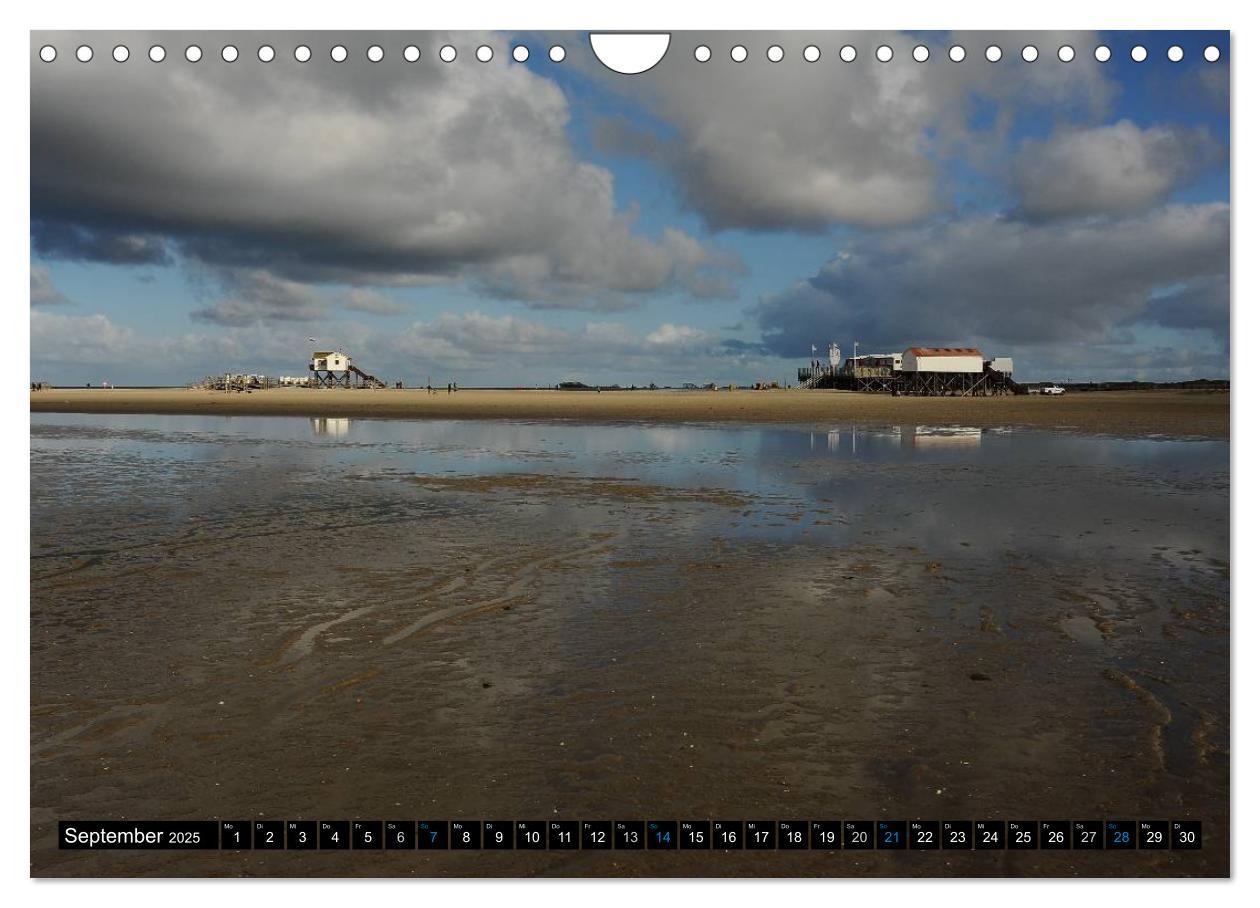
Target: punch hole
[[1175, 53], [447, 53], [958, 53], [485, 53], [993, 53], [774, 53], [48, 53], [1102, 53], [520, 53], [921, 53], [376, 53], [883, 53], [703, 54], [848, 53], [556, 53], [812, 54], [266, 53], [739, 53], [192, 53], [339, 53], [1211, 53], [1067, 53], [229, 53], [121, 54], [302, 53], [1138, 53], [157, 53], [83, 54], [411, 53], [1029, 53], [628, 54]]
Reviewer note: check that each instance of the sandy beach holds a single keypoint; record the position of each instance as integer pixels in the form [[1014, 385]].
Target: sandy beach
[[1197, 413]]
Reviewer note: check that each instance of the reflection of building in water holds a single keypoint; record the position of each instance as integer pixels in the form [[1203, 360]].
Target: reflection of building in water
[[335, 426], [833, 439], [940, 437]]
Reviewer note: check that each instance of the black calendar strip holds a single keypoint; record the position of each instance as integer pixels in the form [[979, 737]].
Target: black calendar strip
[[632, 835]]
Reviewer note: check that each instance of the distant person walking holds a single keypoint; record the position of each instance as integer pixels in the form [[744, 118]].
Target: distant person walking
[[448, 387]]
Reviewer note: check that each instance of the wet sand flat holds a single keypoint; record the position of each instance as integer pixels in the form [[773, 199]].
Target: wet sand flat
[[332, 619], [1198, 413]]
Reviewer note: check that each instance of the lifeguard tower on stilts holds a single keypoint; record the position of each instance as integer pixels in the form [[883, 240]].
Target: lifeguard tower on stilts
[[333, 369]]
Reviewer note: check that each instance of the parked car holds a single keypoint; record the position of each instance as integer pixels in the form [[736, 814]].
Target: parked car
[[1052, 389]]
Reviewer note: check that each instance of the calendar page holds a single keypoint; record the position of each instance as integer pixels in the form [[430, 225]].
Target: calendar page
[[658, 454]]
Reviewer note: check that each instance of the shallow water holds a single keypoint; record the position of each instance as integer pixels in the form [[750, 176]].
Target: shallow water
[[985, 483], [554, 618]]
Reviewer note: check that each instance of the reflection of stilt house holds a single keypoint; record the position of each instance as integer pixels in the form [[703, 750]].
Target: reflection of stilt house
[[940, 436], [335, 426], [333, 369]]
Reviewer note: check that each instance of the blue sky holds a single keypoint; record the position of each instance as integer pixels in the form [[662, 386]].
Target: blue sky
[[503, 223]]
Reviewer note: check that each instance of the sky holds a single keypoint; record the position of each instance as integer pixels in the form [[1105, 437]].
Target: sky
[[510, 223]]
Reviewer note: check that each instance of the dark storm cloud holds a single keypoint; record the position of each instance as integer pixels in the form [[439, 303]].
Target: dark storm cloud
[[59, 239], [1117, 169], [356, 172], [1201, 303], [1005, 280], [803, 146]]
